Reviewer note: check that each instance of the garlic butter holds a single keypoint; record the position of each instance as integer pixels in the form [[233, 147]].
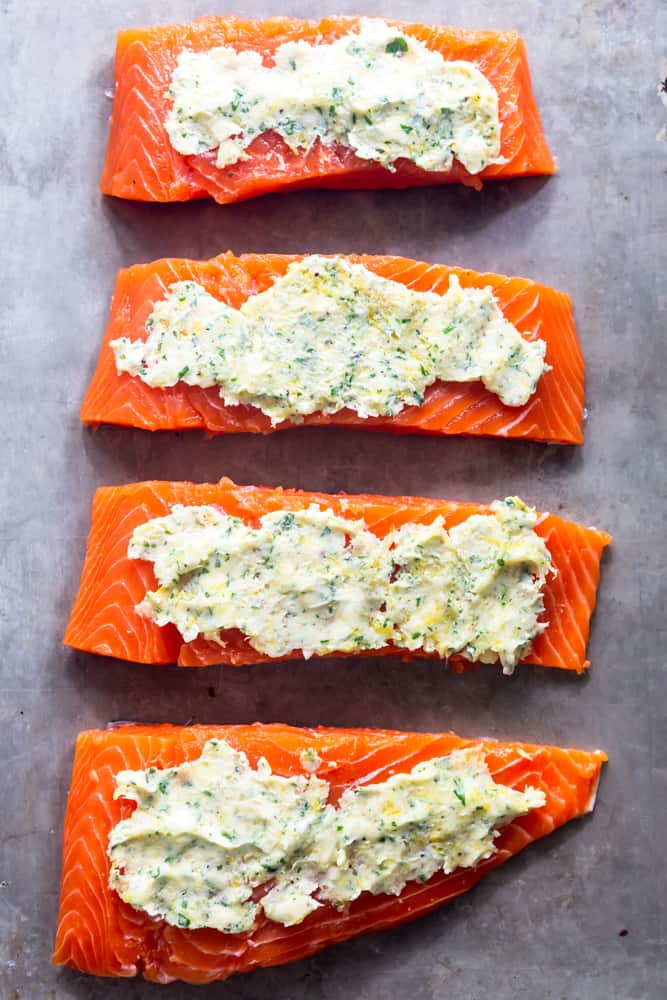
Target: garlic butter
[[330, 335], [206, 834], [312, 581], [376, 90]]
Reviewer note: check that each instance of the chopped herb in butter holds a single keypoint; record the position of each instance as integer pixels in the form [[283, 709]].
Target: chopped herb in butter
[[376, 90], [330, 335], [207, 833], [313, 581]]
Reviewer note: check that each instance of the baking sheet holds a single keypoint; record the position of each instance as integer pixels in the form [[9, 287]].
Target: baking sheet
[[553, 922]]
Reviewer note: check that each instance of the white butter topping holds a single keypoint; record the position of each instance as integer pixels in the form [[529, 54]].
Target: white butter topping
[[207, 833], [313, 581], [329, 335], [376, 90]]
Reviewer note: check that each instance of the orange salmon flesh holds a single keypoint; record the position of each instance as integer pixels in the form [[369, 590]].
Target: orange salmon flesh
[[555, 411], [100, 934], [141, 164], [104, 621]]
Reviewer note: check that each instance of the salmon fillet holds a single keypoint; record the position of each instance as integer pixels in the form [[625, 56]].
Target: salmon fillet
[[103, 619], [100, 934], [141, 163], [555, 412]]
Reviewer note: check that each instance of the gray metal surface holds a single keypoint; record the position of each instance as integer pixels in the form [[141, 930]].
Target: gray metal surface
[[552, 923]]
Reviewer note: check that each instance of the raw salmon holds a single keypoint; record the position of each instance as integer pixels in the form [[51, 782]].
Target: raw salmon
[[554, 412], [100, 934], [104, 621], [141, 163]]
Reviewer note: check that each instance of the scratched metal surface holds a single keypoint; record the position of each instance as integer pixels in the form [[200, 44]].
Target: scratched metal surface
[[552, 922]]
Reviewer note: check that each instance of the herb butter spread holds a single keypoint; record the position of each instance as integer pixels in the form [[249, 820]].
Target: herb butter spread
[[206, 834], [313, 581], [378, 91], [329, 335]]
